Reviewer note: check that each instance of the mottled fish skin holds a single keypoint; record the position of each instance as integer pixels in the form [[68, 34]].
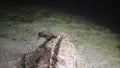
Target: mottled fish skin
[[46, 34], [59, 52]]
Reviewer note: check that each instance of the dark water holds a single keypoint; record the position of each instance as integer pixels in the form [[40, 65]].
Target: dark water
[[105, 13]]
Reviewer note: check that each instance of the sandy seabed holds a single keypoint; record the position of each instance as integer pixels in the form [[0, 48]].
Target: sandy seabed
[[97, 45]]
